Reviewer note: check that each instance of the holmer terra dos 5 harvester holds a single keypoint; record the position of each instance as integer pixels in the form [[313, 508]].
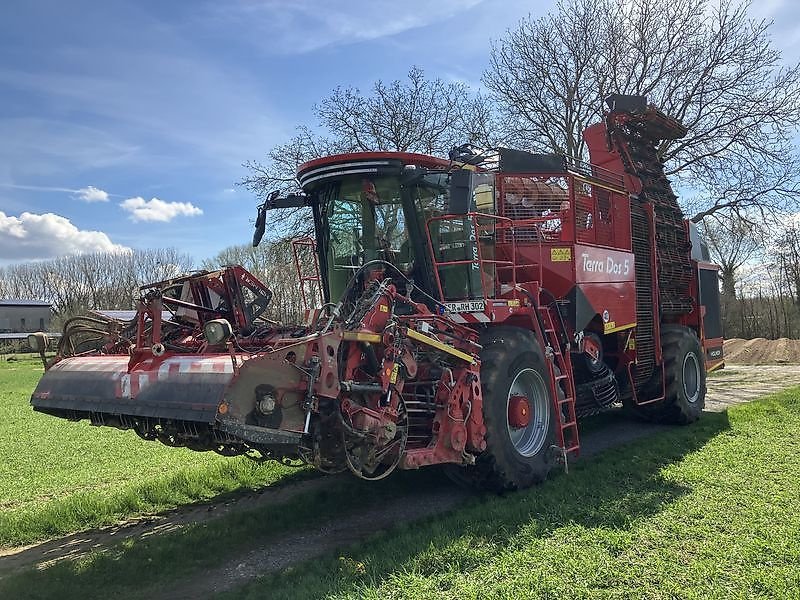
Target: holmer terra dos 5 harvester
[[464, 311]]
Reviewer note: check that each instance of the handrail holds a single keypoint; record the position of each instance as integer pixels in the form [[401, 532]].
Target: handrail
[[303, 279], [472, 232]]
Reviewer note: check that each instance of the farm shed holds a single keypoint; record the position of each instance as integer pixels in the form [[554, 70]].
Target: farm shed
[[24, 316]]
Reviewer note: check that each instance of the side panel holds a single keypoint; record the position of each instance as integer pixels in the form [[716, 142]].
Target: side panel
[[187, 388], [712, 335], [602, 265], [605, 279]]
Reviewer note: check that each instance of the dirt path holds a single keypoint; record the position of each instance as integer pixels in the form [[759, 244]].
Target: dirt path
[[80, 544], [741, 383], [735, 385], [282, 551]]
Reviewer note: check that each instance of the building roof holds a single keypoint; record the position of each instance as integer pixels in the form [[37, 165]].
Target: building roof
[[23, 336], [17, 302]]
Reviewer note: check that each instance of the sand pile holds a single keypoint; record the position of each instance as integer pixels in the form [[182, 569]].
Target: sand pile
[[760, 351]]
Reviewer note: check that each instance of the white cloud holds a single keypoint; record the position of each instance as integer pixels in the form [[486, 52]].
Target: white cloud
[[87, 194], [158, 210], [32, 236], [92, 194]]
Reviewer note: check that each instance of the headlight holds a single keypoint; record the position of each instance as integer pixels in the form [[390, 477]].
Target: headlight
[[38, 341], [217, 331]]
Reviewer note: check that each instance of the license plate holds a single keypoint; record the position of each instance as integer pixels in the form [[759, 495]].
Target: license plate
[[466, 306]]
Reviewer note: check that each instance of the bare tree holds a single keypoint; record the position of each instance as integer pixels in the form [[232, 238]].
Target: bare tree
[[422, 115], [707, 64], [543, 78], [277, 171], [732, 242], [77, 283], [416, 115], [787, 249]]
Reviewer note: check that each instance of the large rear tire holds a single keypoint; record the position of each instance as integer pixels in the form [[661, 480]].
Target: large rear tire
[[517, 411], [685, 379]]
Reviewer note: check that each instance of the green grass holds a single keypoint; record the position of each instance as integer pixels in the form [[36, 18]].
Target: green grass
[[57, 477], [707, 511], [192, 550]]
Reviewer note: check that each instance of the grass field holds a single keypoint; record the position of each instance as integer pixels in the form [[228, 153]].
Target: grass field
[[58, 477], [707, 511]]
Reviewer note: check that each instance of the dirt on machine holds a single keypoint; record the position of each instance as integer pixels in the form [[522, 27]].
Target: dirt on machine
[[466, 311]]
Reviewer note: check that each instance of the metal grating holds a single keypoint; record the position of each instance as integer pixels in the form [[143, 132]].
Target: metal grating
[[645, 325]]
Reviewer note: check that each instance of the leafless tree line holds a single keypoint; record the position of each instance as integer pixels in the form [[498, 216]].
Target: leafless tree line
[[759, 275], [78, 283]]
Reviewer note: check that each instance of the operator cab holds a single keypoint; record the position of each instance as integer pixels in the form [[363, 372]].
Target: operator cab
[[373, 207]]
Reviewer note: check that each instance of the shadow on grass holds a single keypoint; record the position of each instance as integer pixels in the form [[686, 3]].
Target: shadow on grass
[[610, 490]]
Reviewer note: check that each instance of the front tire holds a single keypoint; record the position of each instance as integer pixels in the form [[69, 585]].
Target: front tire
[[517, 411]]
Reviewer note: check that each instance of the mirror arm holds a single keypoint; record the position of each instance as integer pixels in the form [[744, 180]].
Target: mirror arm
[[272, 202]]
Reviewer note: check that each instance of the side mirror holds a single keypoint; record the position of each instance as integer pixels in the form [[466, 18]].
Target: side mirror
[[261, 225], [460, 192], [273, 201], [261, 219]]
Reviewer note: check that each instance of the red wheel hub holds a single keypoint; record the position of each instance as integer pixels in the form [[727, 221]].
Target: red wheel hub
[[519, 412]]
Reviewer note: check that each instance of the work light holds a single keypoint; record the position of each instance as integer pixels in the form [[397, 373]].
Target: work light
[[38, 341], [217, 331]]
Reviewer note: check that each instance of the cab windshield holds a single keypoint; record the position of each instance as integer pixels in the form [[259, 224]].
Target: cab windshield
[[366, 221]]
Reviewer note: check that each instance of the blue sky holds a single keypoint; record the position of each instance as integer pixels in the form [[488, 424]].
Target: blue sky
[[125, 124]]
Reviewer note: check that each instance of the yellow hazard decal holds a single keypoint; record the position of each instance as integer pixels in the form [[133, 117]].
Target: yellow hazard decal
[[395, 371], [513, 302], [611, 327], [362, 336], [384, 308], [560, 254]]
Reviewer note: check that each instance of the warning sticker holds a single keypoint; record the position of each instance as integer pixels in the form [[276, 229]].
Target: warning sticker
[[612, 326], [560, 254]]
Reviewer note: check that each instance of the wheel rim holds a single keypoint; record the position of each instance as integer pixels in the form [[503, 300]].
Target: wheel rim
[[528, 440], [691, 377]]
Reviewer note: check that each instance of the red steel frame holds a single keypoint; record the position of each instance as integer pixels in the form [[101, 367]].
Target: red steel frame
[[539, 317], [311, 245]]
